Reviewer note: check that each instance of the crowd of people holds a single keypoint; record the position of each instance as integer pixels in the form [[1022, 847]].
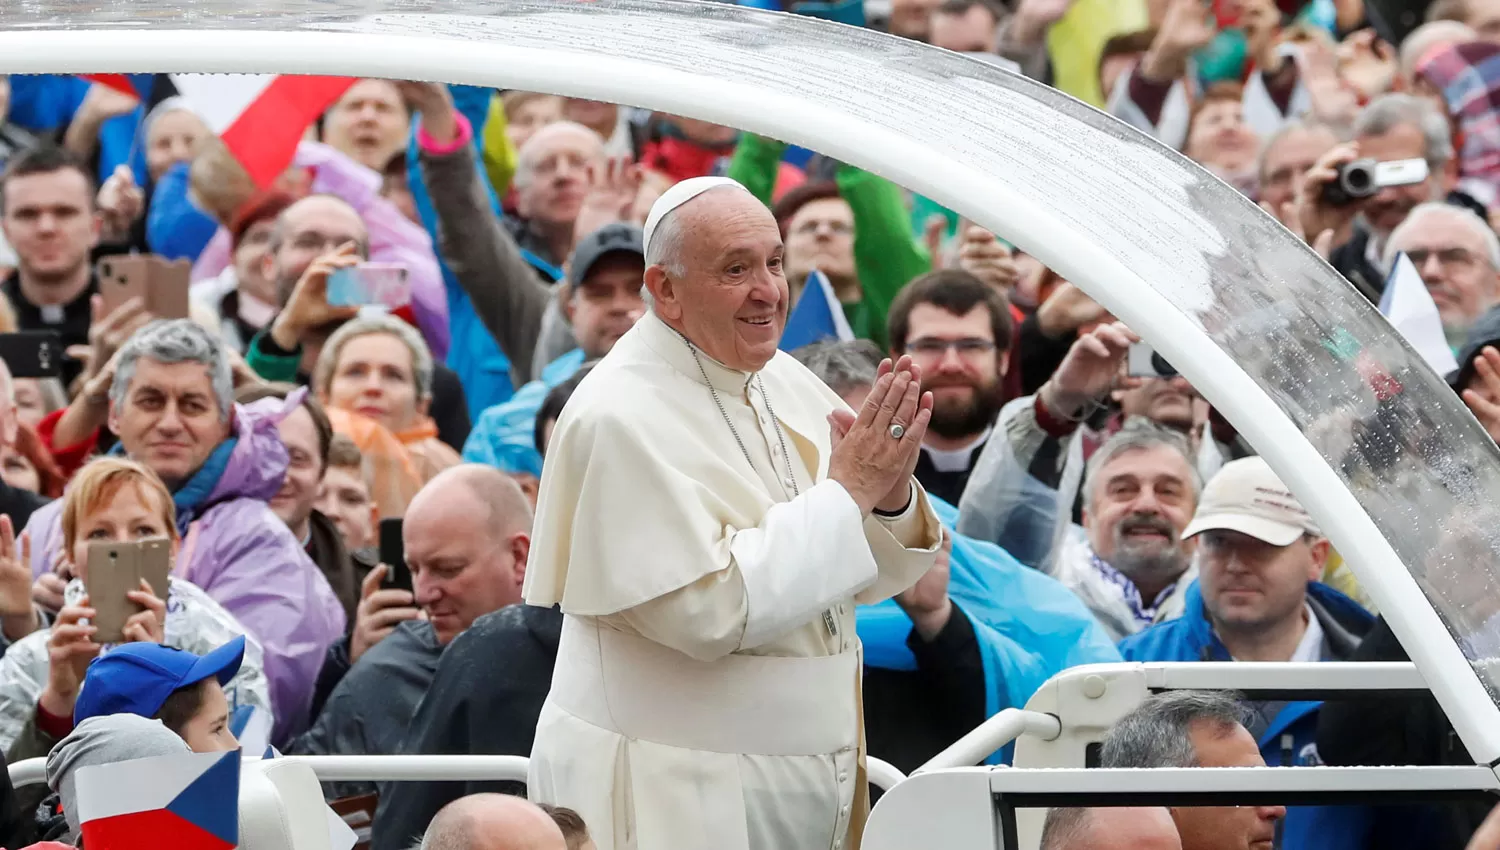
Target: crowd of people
[[1078, 513]]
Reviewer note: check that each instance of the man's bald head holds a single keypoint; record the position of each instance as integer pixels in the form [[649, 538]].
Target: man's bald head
[[1150, 828], [492, 822], [471, 486], [467, 537], [305, 231]]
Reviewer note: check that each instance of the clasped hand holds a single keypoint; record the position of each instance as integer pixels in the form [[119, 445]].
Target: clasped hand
[[868, 459]]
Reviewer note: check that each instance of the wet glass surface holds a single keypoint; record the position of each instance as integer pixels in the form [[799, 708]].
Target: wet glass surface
[[1402, 442]]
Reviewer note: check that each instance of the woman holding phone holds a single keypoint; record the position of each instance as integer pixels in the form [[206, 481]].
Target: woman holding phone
[[111, 500]]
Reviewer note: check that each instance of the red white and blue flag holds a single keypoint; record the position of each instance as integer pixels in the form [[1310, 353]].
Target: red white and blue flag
[[260, 117], [186, 802]]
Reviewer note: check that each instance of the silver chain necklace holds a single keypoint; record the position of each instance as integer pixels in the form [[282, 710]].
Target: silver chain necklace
[[791, 476]]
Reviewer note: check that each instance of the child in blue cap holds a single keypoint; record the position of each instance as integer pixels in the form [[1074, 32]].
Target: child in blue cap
[[182, 690]]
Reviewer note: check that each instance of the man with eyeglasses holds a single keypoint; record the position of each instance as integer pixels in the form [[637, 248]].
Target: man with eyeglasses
[[958, 329], [1458, 257], [311, 239], [1257, 598]]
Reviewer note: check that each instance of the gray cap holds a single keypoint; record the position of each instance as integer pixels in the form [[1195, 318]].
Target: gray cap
[[106, 739], [606, 240]]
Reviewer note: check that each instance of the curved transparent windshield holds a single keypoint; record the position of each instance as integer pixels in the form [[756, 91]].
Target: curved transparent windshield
[[1401, 441]]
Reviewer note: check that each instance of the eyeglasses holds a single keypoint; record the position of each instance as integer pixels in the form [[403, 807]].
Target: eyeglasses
[[837, 228], [1445, 257], [933, 348]]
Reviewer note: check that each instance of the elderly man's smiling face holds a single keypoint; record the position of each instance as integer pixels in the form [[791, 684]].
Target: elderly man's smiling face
[[725, 289]]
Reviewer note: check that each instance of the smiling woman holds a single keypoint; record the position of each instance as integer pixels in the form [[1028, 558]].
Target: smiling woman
[[379, 370]]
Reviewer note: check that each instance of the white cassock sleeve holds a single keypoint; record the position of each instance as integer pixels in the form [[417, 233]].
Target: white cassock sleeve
[[808, 555], [654, 525]]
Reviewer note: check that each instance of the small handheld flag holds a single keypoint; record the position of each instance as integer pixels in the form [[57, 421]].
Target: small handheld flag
[[187, 802], [1408, 306], [818, 316]]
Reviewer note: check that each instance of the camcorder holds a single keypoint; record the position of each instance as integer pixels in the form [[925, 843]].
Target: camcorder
[[1364, 178]]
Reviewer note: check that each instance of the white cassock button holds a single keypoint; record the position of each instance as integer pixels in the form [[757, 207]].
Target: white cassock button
[[787, 481], [845, 810], [843, 776]]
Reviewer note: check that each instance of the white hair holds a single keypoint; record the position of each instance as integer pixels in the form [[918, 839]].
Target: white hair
[[1389, 111], [1429, 35], [1459, 215], [172, 341]]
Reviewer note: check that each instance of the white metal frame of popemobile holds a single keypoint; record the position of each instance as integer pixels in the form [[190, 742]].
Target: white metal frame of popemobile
[[1149, 235]]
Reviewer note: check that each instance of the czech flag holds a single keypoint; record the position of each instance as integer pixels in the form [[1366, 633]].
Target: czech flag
[[818, 316], [260, 117], [187, 802]]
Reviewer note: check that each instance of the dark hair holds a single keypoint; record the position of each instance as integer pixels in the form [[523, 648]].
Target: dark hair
[[1127, 44], [796, 199], [552, 405], [956, 291], [962, 7], [395, 167], [321, 425], [182, 706], [45, 158], [575, 831], [264, 206]]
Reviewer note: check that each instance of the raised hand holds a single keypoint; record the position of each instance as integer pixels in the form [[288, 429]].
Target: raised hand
[[70, 648], [435, 104], [120, 203], [1314, 215], [1486, 404], [613, 188], [149, 624], [1088, 371], [983, 255], [1186, 29], [307, 307], [927, 602], [877, 452], [380, 611], [17, 613]]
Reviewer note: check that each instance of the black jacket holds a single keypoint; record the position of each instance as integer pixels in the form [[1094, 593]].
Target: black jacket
[[1399, 730], [485, 700]]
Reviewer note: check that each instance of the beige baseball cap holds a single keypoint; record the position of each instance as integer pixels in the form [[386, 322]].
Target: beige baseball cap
[[1246, 496]]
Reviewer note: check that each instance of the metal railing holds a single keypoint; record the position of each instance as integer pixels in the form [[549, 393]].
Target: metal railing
[[418, 768], [991, 735]]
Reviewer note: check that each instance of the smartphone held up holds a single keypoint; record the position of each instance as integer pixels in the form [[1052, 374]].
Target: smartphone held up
[[370, 285], [117, 568]]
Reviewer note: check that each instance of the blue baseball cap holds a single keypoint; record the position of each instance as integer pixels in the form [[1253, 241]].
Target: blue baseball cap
[[137, 678]]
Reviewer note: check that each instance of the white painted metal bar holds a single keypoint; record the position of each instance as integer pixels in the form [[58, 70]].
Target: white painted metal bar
[[1105, 781], [991, 735], [1321, 676], [408, 768]]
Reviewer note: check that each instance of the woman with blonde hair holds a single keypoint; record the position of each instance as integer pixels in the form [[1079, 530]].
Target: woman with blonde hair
[[374, 377], [113, 500]]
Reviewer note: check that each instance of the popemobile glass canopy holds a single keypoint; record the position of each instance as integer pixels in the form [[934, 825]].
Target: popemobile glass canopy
[[1381, 452]]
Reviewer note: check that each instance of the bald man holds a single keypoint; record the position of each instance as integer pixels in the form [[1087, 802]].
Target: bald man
[[1148, 828], [492, 822], [467, 536], [710, 514]]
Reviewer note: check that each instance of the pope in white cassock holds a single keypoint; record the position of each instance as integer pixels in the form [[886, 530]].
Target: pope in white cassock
[[710, 514]]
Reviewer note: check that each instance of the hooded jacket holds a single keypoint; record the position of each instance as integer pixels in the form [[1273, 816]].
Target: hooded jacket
[[1291, 731], [104, 740], [244, 557]]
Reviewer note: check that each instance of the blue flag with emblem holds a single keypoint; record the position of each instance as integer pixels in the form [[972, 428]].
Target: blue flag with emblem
[[817, 317]]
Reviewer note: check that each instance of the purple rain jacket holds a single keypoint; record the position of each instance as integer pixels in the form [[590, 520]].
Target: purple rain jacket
[[245, 558]]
